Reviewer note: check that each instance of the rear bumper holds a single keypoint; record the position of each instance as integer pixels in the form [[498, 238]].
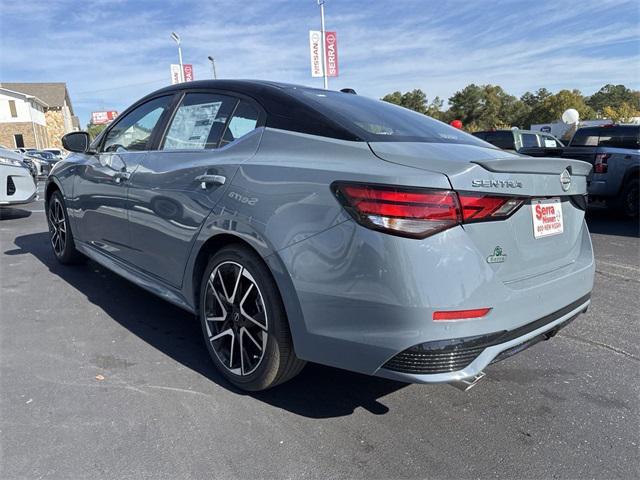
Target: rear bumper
[[468, 357], [356, 298]]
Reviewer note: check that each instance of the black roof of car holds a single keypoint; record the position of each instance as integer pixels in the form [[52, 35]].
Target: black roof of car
[[285, 110], [608, 127]]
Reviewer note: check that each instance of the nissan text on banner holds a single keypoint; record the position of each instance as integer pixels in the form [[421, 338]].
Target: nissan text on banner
[[315, 50], [331, 53]]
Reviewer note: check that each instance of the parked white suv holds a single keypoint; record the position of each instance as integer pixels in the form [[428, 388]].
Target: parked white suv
[[17, 186]]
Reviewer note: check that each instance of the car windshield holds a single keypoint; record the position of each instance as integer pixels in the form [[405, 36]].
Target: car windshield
[[379, 121]]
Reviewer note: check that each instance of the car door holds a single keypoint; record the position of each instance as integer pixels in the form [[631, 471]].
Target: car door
[[101, 185], [177, 186]]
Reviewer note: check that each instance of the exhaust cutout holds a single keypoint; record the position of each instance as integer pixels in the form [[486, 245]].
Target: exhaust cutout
[[468, 383]]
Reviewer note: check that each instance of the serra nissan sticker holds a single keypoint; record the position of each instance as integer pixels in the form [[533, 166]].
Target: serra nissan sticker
[[547, 217]]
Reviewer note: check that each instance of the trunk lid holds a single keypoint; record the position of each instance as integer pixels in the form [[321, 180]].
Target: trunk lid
[[509, 245]]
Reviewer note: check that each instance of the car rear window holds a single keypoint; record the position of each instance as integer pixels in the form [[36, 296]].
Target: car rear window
[[378, 121]]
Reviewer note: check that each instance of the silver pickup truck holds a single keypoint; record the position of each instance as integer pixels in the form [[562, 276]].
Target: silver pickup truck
[[614, 152]]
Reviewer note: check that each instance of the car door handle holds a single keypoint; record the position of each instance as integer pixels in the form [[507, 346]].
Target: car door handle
[[208, 179], [121, 176]]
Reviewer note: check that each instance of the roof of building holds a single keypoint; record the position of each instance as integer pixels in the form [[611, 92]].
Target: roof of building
[[53, 93], [25, 95]]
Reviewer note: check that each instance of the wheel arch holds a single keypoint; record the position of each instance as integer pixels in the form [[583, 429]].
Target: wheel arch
[[52, 185], [274, 264], [631, 174]]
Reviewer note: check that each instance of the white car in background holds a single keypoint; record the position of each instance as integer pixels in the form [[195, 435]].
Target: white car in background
[[17, 186]]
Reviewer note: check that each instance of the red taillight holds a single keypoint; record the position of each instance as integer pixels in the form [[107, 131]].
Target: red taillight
[[601, 165], [405, 211], [460, 314], [419, 212], [487, 207]]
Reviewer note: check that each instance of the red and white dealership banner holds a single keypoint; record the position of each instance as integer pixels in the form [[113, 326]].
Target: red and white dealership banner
[[315, 51], [328, 48], [187, 73], [187, 69], [331, 53], [100, 118]]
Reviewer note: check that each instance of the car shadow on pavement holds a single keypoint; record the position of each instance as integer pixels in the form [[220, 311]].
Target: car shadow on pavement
[[606, 222], [318, 392], [9, 213]]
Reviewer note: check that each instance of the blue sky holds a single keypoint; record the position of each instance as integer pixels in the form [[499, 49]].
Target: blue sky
[[112, 52]]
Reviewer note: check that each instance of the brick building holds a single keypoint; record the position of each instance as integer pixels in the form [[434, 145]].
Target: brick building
[[22, 120], [58, 111]]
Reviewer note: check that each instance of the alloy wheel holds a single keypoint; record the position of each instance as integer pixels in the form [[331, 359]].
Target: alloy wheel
[[57, 226], [235, 318]]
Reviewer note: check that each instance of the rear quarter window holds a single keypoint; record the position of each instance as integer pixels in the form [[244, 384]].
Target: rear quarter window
[[619, 137]]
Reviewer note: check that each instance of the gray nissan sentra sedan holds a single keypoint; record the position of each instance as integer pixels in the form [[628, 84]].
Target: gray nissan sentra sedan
[[312, 225]]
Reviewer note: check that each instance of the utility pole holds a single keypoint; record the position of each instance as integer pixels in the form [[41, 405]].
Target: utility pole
[[324, 56], [213, 66], [176, 38]]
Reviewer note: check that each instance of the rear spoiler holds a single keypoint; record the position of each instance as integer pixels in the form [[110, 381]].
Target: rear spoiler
[[536, 165]]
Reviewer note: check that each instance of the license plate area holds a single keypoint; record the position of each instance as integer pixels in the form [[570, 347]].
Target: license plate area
[[547, 217]]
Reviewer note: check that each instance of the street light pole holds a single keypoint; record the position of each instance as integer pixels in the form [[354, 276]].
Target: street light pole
[[213, 66], [176, 38], [324, 56]]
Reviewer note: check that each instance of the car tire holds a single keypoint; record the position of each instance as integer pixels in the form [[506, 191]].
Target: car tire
[[628, 202], [244, 323], [60, 235]]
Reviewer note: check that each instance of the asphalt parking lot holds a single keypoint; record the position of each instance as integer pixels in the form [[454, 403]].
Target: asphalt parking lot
[[99, 379]]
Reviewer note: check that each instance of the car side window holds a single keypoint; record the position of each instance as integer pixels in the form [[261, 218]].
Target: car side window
[[133, 131], [199, 122], [549, 142], [243, 121], [529, 140]]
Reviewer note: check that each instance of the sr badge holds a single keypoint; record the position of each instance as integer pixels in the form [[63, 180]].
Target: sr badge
[[498, 255]]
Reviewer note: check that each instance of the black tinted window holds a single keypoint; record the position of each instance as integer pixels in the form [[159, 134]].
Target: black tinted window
[[502, 140], [378, 121], [529, 140], [619, 137], [133, 131], [199, 122], [243, 121]]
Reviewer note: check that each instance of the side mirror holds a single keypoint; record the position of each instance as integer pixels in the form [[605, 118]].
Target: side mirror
[[76, 142]]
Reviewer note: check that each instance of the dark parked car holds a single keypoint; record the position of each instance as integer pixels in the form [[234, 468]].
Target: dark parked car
[[302, 224], [614, 152], [516, 140]]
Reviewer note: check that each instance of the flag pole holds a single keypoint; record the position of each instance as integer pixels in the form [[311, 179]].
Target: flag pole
[[324, 55]]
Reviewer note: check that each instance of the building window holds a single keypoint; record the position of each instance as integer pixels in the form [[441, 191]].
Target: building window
[[19, 140], [12, 108]]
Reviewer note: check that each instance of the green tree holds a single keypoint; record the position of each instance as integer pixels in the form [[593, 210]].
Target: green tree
[[613, 96], [551, 108], [482, 107], [623, 113], [416, 100], [94, 130]]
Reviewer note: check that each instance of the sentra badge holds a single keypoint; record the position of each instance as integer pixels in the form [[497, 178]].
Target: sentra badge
[[496, 183]]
